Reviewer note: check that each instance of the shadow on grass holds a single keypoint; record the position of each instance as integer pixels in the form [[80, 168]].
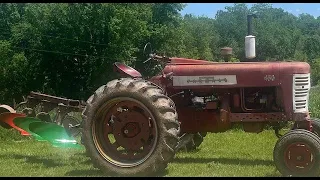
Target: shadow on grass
[[249, 162], [97, 172], [231, 161], [85, 172], [34, 160]]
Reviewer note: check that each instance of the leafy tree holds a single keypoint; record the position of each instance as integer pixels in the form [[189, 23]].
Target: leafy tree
[[68, 49]]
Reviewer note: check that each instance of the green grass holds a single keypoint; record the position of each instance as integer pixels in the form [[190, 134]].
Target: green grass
[[314, 102], [234, 153]]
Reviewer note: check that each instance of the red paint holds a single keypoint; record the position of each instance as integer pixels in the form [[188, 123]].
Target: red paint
[[211, 105], [126, 71], [249, 74], [236, 100], [298, 157], [125, 128], [8, 118], [257, 117], [193, 120], [277, 76]]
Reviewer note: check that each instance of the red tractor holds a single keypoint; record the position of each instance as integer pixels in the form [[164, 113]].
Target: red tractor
[[134, 126]]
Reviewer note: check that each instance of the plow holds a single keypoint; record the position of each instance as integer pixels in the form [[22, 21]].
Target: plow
[[45, 118]]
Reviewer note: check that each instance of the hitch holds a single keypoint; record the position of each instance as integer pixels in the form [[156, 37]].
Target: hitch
[[277, 127]]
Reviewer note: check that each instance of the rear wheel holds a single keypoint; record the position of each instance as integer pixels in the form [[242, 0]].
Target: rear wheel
[[297, 153], [130, 128]]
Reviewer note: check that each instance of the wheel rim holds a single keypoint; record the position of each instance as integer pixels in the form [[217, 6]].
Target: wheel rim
[[125, 132], [299, 157]]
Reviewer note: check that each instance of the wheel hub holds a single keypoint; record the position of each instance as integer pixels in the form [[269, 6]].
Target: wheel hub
[[131, 129], [298, 157], [127, 130]]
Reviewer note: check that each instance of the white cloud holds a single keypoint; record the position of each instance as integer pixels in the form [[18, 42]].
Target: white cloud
[[298, 10], [290, 10]]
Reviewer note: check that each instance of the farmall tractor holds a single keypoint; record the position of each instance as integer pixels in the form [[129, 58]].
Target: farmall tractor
[[134, 126]]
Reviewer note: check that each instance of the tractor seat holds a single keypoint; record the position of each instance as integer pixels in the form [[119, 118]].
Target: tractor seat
[[126, 71]]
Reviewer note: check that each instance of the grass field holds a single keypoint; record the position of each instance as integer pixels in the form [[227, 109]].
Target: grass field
[[234, 153]]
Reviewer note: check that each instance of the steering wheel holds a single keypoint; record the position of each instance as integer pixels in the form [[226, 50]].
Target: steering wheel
[[150, 54], [145, 49]]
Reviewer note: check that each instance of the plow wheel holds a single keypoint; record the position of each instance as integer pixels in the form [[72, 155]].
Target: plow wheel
[[297, 153], [130, 128], [3, 109], [23, 108], [72, 125]]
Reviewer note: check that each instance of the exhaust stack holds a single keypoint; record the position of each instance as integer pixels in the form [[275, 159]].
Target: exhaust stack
[[226, 53], [250, 41]]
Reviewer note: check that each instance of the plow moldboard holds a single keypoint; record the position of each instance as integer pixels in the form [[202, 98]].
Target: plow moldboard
[[53, 133], [8, 118], [24, 122]]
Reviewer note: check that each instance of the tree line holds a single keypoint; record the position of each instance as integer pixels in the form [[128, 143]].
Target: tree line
[[68, 49]]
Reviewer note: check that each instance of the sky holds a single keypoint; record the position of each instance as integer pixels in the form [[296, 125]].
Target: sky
[[210, 9]]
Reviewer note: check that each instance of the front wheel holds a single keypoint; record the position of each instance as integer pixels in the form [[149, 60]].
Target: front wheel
[[297, 153], [130, 128]]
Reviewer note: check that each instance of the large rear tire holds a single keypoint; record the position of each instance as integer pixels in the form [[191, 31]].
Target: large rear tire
[[297, 153], [130, 128]]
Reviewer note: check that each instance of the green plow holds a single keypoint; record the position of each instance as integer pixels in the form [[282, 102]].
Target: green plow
[[31, 118], [45, 131], [38, 129]]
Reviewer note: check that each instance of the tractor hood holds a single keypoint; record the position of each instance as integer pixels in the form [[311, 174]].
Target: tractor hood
[[189, 72]]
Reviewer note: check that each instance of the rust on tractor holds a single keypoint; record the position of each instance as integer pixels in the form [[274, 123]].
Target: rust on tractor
[[128, 131], [258, 117]]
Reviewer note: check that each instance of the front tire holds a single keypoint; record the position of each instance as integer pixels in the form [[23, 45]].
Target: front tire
[[297, 153], [130, 128]]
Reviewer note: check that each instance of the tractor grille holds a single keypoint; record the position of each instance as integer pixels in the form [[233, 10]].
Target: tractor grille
[[301, 87]]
